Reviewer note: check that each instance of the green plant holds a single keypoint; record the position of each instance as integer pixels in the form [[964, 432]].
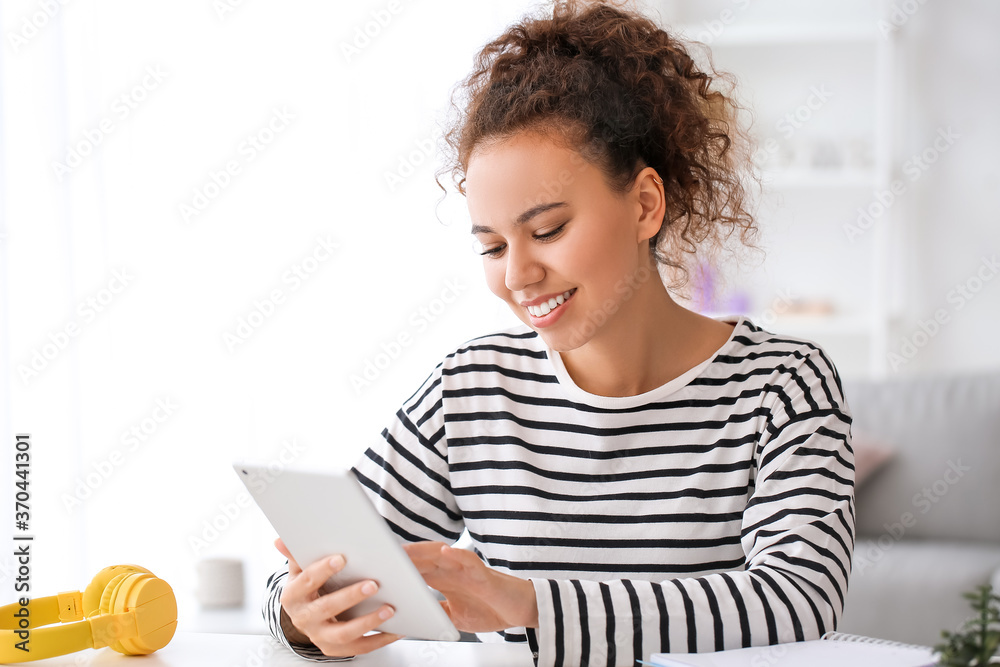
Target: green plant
[[976, 642]]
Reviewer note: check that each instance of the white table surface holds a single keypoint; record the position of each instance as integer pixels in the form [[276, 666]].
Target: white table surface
[[193, 649]]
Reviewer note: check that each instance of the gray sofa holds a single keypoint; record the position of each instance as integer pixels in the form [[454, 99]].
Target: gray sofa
[[928, 521]]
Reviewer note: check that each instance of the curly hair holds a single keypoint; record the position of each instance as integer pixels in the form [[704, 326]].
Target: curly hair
[[609, 83]]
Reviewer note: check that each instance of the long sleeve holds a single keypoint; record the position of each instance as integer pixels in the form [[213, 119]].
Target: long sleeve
[[406, 475], [275, 620], [797, 533], [407, 481]]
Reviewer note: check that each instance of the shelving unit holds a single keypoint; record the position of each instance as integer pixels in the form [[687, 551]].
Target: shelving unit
[[775, 47]]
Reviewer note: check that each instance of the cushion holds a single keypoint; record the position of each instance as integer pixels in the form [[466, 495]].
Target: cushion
[[870, 454], [942, 482]]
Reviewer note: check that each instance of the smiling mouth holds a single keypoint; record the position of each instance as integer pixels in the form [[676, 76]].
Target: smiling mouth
[[543, 309]]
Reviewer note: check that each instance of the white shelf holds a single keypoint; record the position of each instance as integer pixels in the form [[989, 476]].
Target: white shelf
[[789, 34]]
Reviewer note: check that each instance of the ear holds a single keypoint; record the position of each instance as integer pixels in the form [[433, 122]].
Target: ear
[[652, 204]]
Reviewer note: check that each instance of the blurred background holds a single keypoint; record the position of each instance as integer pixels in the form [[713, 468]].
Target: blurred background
[[220, 237]]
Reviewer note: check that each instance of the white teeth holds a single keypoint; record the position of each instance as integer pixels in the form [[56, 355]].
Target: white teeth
[[547, 307]]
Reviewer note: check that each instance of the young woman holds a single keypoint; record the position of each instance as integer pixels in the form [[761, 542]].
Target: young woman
[[635, 477]]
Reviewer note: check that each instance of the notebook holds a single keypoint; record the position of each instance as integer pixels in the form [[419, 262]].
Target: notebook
[[835, 649]]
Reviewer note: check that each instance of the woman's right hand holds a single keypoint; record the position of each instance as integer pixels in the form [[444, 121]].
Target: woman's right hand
[[312, 609]]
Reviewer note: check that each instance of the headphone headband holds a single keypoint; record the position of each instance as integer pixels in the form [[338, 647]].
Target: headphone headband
[[125, 607]]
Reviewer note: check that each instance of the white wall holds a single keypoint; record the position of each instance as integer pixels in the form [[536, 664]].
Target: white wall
[[952, 72]]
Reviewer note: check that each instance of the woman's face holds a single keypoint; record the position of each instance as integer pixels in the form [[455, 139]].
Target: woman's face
[[558, 246]]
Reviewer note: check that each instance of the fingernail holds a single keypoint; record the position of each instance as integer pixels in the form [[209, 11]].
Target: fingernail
[[337, 561], [369, 588], [386, 613]]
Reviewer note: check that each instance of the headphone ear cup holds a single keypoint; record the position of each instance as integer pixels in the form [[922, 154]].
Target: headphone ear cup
[[117, 600], [94, 592], [104, 607], [155, 607]]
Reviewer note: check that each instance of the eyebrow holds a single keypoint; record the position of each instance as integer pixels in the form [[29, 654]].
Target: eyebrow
[[524, 217]]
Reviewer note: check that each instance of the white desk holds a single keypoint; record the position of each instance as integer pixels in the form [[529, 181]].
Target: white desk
[[194, 649]]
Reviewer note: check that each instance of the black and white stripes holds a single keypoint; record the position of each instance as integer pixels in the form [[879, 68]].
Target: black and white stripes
[[713, 512], [272, 616]]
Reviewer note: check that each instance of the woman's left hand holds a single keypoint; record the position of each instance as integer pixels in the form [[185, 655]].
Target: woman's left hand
[[477, 597]]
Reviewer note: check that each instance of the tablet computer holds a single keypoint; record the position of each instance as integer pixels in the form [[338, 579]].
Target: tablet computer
[[321, 514]]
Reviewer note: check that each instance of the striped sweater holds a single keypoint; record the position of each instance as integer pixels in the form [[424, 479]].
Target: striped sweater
[[713, 512]]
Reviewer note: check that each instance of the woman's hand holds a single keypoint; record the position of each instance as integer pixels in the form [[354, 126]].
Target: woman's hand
[[477, 597], [312, 609]]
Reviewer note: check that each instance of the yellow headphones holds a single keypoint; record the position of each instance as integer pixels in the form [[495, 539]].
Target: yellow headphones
[[125, 607]]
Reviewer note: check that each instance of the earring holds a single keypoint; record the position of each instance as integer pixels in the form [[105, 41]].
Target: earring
[[658, 181]]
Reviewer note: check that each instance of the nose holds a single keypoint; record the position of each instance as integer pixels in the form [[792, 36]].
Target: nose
[[522, 268]]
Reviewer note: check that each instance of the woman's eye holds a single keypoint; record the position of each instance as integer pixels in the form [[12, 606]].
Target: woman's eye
[[552, 234], [492, 252], [480, 249], [497, 250]]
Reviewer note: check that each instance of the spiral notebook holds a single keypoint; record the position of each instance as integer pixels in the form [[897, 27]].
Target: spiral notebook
[[835, 649]]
